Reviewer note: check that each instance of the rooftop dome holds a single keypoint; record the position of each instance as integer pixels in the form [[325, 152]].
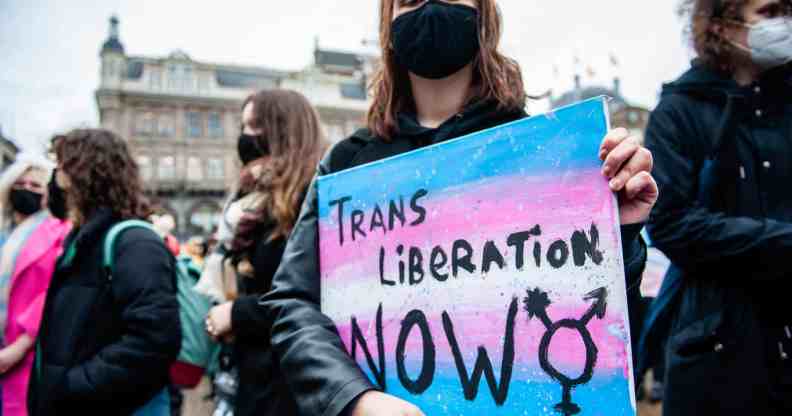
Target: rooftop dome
[[113, 44]]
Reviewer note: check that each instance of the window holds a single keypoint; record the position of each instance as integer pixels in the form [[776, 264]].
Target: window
[[194, 124], [215, 125], [215, 168], [144, 165], [155, 79], [205, 217], [173, 77], [187, 80], [194, 169], [166, 127], [167, 168], [145, 124]]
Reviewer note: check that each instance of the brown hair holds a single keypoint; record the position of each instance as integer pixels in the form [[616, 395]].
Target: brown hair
[[102, 173], [496, 77], [291, 131], [703, 17]]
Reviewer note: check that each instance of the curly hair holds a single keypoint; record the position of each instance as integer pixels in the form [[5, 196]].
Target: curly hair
[[703, 16], [496, 77], [102, 173], [290, 129]]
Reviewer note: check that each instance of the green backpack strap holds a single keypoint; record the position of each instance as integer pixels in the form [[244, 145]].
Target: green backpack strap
[[112, 236]]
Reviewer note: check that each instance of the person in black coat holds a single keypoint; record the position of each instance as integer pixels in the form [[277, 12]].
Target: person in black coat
[[442, 78], [722, 140], [280, 145], [106, 339]]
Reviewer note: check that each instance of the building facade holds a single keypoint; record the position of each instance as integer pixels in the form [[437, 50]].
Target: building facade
[[181, 118], [8, 151], [622, 114]]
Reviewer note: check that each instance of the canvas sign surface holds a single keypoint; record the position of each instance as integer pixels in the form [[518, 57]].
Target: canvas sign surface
[[484, 275]]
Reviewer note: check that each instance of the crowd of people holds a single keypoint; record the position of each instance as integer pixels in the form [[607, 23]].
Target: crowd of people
[[102, 311]]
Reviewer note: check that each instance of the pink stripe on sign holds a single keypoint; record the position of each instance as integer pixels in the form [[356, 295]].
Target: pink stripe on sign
[[497, 215]]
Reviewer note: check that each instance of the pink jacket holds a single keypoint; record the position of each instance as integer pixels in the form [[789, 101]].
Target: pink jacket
[[32, 274]]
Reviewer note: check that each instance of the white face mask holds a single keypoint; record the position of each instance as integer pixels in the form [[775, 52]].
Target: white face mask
[[770, 42]]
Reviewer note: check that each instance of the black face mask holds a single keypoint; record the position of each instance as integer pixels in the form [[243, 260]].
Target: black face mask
[[437, 39], [25, 202], [248, 148], [56, 201]]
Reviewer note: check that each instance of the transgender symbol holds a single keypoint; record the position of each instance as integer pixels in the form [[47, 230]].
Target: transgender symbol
[[536, 304]]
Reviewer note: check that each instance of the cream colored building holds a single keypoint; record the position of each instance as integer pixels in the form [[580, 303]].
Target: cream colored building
[[623, 114], [8, 151], [181, 117]]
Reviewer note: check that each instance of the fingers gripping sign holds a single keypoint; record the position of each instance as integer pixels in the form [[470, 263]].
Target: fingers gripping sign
[[628, 166]]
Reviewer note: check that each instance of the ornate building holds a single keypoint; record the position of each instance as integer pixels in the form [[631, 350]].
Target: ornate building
[[181, 117], [622, 113], [8, 151]]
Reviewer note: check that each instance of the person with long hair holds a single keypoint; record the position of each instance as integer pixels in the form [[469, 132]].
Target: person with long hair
[[442, 77], [280, 145], [107, 337], [30, 241], [722, 136]]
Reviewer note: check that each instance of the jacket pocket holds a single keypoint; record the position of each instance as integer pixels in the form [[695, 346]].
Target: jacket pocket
[[696, 369], [698, 340]]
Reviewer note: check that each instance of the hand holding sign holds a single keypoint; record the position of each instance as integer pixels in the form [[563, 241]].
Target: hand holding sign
[[629, 165], [374, 403]]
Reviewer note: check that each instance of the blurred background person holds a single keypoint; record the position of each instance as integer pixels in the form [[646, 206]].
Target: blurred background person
[[107, 337], [30, 241], [164, 224], [280, 145], [721, 140], [197, 249]]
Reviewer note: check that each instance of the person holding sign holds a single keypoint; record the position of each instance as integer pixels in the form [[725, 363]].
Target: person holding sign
[[442, 77], [721, 134]]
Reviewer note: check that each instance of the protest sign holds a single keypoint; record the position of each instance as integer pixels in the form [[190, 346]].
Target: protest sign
[[484, 275]]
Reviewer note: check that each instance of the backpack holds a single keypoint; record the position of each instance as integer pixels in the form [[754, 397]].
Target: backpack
[[197, 348]]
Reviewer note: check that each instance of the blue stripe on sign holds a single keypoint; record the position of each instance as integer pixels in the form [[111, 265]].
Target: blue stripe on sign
[[563, 140]]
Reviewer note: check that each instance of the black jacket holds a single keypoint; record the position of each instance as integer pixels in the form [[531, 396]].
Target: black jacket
[[262, 389], [320, 375], [723, 161], [104, 346]]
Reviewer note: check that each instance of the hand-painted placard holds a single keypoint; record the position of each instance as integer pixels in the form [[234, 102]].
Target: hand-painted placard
[[484, 275]]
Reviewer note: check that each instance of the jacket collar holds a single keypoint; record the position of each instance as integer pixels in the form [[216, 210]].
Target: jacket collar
[[90, 233], [47, 236]]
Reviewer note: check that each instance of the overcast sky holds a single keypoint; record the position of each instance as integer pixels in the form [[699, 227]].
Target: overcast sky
[[50, 64]]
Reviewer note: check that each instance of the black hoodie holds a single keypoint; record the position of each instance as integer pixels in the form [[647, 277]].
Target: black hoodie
[[723, 161], [322, 378]]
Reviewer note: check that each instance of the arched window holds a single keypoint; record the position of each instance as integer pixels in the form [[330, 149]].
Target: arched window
[[204, 217], [167, 168], [144, 166]]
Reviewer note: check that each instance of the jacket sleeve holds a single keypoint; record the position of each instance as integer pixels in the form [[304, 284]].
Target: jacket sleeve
[[144, 291], [634, 252], [30, 319], [248, 323], [321, 376], [686, 231]]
